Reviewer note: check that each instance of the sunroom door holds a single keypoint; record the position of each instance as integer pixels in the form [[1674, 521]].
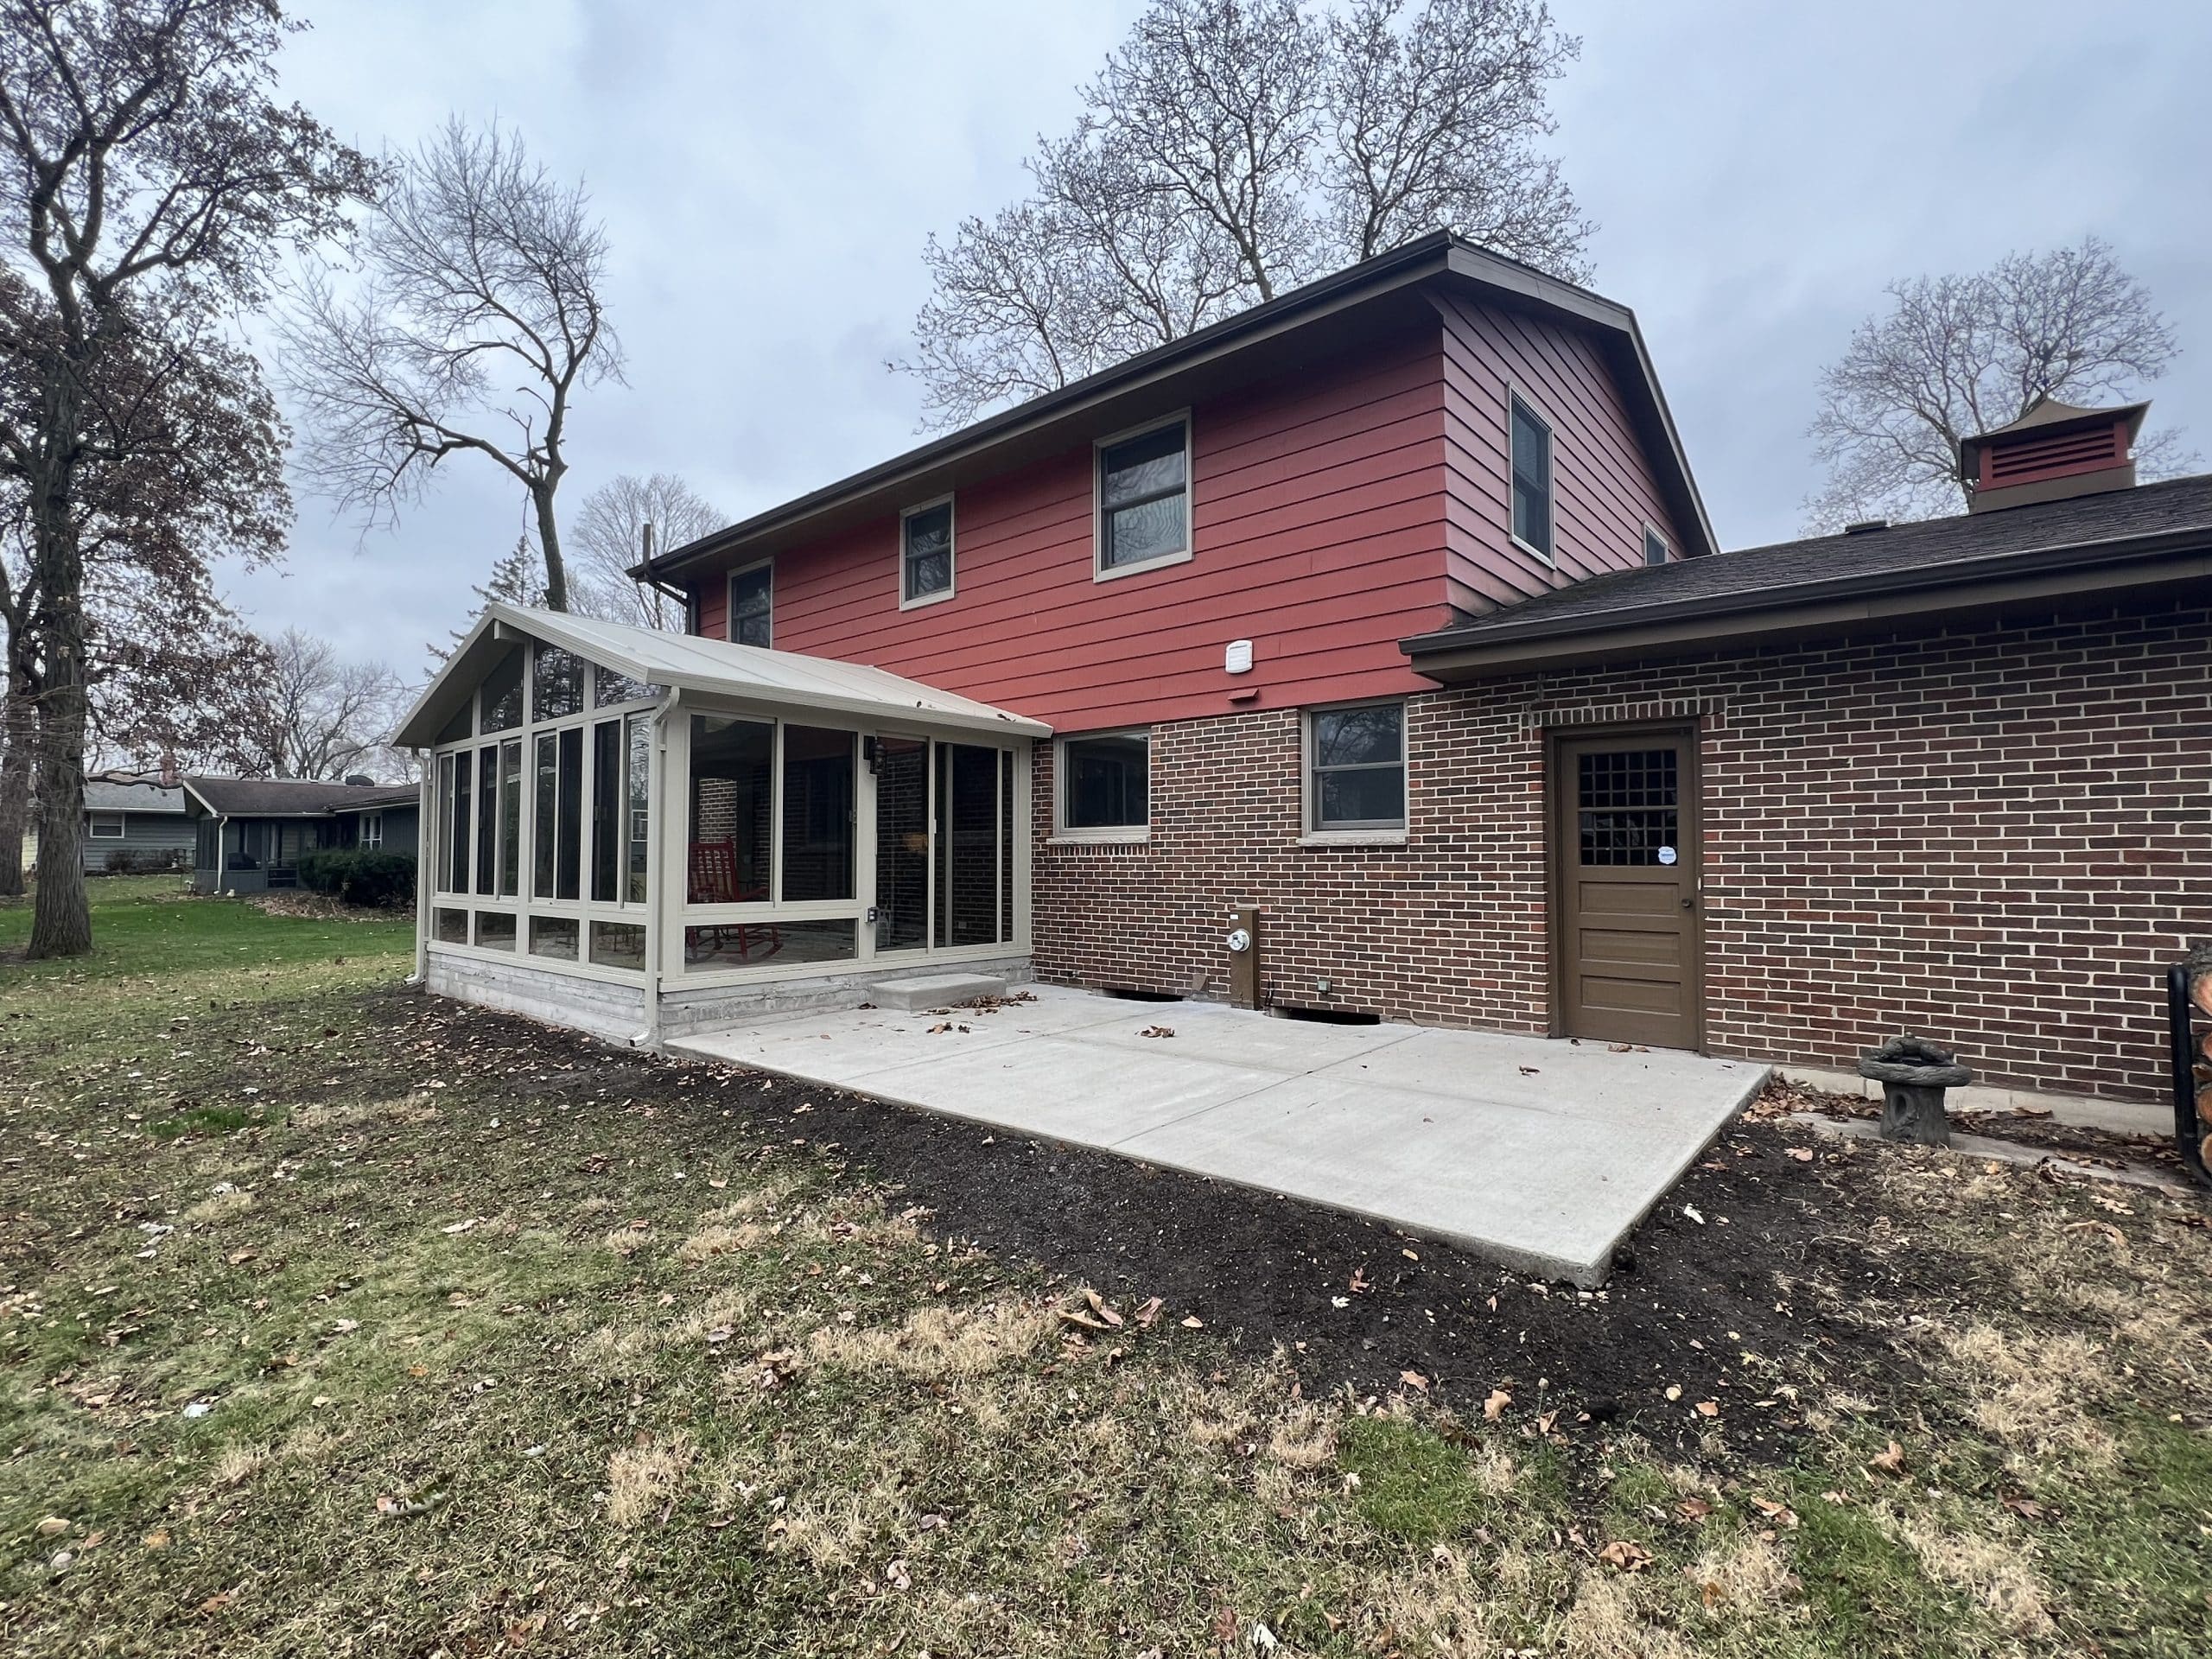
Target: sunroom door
[[943, 845]]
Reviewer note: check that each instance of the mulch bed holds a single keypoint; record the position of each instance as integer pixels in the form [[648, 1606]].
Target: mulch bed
[[1776, 1244]]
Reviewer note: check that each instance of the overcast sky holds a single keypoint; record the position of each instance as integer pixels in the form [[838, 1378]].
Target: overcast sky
[[768, 174]]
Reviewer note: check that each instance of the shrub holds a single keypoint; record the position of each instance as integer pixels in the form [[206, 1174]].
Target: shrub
[[359, 875], [146, 861]]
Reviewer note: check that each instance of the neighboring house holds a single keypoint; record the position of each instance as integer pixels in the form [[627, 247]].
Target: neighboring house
[[134, 823], [1387, 610], [251, 833]]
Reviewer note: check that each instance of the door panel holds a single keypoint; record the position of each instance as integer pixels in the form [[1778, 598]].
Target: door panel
[[1625, 855]]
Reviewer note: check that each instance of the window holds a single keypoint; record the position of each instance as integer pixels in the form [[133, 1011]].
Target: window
[[372, 829], [1105, 785], [607, 811], [556, 683], [1144, 499], [925, 553], [502, 694], [558, 820], [1532, 481], [640, 772], [1358, 759], [732, 780], [107, 826], [1655, 546], [751, 599], [610, 689]]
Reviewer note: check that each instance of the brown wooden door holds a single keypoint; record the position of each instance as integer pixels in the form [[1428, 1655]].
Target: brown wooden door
[[1627, 863]]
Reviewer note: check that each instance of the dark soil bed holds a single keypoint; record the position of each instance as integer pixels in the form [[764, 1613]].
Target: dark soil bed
[[1774, 1259]]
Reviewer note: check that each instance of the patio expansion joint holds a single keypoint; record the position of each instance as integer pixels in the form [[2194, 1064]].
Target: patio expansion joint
[[1258, 1089]]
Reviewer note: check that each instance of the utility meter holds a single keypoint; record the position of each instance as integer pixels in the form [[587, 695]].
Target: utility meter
[[1239, 940]]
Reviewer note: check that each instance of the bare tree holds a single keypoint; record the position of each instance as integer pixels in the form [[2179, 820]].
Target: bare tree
[[479, 268], [317, 716], [1957, 355], [611, 535], [147, 179], [1232, 148]]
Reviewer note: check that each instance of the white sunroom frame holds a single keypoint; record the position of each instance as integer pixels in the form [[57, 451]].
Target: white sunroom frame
[[688, 675]]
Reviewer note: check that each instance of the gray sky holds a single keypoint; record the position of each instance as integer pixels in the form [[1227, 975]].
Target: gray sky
[[768, 174]]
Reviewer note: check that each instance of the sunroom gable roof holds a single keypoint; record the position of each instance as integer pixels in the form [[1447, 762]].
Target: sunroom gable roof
[[786, 680]]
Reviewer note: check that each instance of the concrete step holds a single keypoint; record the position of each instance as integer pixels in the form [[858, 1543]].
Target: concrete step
[[933, 991]]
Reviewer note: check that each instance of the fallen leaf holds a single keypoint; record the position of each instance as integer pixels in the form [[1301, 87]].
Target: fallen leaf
[[1147, 1311], [1890, 1461], [1499, 1401], [1708, 1407], [1691, 1210], [1693, 1509], [1673, 1390], [1781, 1513], [1802, 1154], [1415, 1381], [1193, 1322], [896, 1575], [1630, 1558]]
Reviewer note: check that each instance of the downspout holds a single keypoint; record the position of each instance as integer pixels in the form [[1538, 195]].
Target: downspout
[[657, 872], [423, 792]]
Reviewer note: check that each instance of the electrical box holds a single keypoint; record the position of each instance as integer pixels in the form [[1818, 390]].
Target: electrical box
[[1244, 946]]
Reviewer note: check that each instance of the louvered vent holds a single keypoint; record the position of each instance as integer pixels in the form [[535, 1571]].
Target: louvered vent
[[2028, 458]]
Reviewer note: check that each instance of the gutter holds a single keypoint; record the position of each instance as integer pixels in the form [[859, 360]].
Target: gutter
[[2037, 572]]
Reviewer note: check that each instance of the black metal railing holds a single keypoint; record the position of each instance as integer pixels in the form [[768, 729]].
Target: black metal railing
[[2192, 1078]]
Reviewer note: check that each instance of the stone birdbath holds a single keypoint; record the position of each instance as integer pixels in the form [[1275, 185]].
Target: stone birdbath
[[1914, 1073]]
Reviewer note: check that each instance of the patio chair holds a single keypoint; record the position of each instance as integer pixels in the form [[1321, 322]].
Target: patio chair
[[714, 881]]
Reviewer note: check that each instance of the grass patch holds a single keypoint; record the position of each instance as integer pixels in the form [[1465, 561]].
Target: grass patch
[[333, 1318]]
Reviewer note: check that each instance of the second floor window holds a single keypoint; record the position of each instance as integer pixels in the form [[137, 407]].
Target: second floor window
[[1144, 499], [1532, 481], [925, 553], [752, 594], [1655, 546]]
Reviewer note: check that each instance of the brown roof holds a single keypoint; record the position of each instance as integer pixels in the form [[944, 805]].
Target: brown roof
[[1929, 554], [287, 798]]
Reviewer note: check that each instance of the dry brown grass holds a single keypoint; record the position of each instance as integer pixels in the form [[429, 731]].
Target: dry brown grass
[[1747, 1578], [1304, 1438], [937, 1342], [1994, 1571], [2032, 1392], [642, 1479], [628, 1241], [407, 1110], [219, 1207]]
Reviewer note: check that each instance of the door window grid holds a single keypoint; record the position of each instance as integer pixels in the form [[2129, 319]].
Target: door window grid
[[1627, 806]]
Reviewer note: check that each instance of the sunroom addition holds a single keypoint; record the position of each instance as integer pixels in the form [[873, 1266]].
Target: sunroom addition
[[641, 833]]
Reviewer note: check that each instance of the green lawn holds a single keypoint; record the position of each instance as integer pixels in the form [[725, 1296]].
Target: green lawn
[[334, 1319]]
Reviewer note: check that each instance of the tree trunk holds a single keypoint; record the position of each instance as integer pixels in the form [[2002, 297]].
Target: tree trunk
[[61, 918], [19, 732], [549, 543]]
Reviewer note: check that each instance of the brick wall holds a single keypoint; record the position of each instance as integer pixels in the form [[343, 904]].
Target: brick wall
[[1996, 838]]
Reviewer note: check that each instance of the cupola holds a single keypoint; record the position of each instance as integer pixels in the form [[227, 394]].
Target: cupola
[[2053, 451]]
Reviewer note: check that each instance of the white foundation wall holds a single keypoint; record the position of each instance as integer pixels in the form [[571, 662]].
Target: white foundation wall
[[616, 1011], [606, 1008]]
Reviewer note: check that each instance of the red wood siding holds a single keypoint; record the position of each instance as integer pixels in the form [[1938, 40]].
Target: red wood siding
[[1604, 488], [1318, 528]]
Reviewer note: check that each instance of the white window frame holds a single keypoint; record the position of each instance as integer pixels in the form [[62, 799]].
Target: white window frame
[[93, 832], [522, 905], [1103, 834], [372, 829], [1310, 833], [1653, 533], [729, 600], [1099, 571], [916, 602], [1515, 397]]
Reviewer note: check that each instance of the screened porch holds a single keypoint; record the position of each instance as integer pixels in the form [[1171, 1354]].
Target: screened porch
[[636, 822]]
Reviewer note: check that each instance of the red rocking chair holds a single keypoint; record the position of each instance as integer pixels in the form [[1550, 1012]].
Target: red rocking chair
[[714, 881]]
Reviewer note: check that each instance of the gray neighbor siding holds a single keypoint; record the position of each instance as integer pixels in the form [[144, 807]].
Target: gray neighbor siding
[[156, 834], [265, 826]]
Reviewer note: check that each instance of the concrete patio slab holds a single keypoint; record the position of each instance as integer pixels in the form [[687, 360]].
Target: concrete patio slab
[[1538, 1154]]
